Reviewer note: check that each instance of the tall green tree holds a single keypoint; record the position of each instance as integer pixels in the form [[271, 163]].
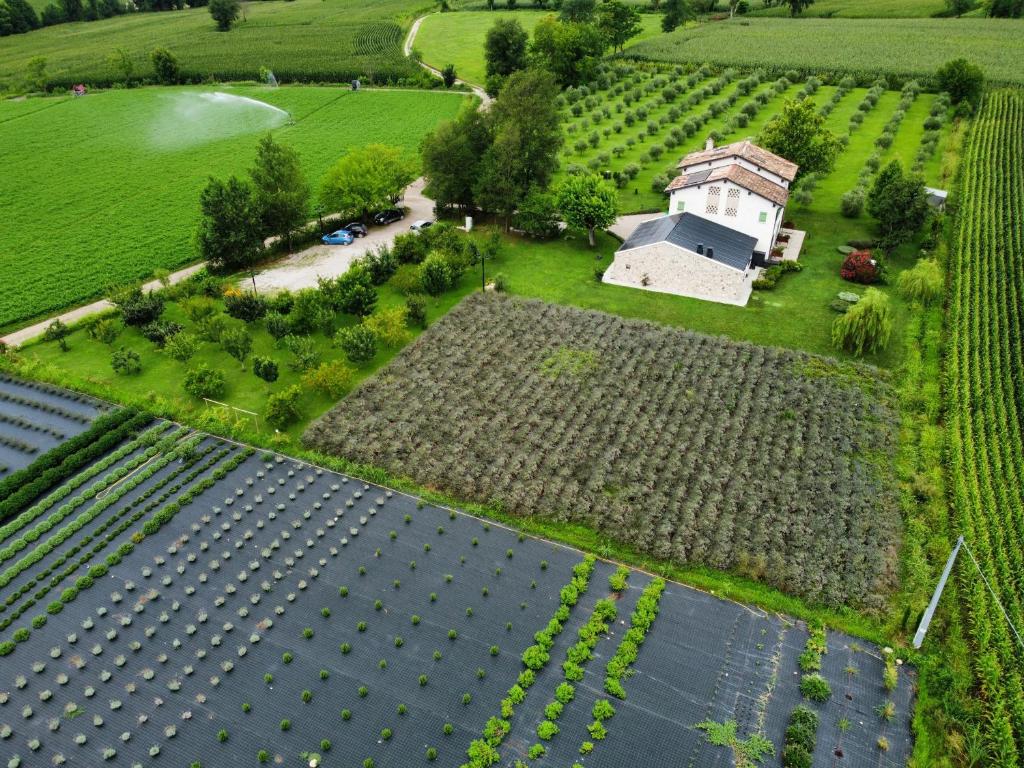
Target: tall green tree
[[451, 157], [228, 237], [677, 13], [505, 48], [367, 179], [963, 81], [899, 203], [20, 17], [165, 65], [280, 190], [569, 50], [587, 202], [796, 7], [959, 7], [527, 131], [618, 22], [225, 13], [798, 133], [579, 11]]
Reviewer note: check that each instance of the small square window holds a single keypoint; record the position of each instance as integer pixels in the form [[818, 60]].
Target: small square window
[[763, 217], [680, 206]]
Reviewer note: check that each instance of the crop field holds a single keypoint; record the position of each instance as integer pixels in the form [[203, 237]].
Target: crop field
[[866, 48], [690, 448], [984, 401], [305, 41], [35, 418], [104, 186], [458, 38], [206, 605], [861, 9]]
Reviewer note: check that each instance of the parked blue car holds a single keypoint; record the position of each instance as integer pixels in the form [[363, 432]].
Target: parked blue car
[[340, 237]]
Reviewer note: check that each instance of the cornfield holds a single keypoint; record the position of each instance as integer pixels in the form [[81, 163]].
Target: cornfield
[[686, 447], [986, 404]]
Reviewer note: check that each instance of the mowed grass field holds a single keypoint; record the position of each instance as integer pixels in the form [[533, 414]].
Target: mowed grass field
[[105, 188], [458, 38], [915, 47], [304, 40]]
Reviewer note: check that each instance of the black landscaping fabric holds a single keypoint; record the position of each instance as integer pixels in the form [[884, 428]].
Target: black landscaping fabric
[[215, 598], [12, 389]]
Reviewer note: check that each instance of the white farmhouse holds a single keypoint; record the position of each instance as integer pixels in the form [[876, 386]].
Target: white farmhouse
[[725, 211]]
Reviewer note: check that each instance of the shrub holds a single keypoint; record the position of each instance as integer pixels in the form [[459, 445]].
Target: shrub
[[286, 725], [277, 325], [358, 342], [537, 751], [105, 331], [816, 688], [437, 274], [245, 305], [138, 308], [265, 368], [222, 735], [851, 205], [861, 267], [181, 346], [546, 730], [237, 343], [332, 379], [795, 756], [126, 361], [159, 331], [203, 381], [603, 709], [866, 327], [282, 407], [389, 326], [564, 693], [923, 282], [416, 310], [305, 354]]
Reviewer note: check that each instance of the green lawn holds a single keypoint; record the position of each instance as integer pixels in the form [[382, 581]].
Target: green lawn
[[867, 47], [458, 38], [304, 40], [118, 173]]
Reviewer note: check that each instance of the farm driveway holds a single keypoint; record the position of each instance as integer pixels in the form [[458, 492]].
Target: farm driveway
[[485, 100], [301, 270]]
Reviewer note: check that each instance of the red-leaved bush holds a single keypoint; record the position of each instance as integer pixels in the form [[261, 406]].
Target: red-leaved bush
[[860, 267]]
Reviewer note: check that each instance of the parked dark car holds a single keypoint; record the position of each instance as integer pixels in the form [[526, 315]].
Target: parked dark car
[[357, 228], [388, 217]]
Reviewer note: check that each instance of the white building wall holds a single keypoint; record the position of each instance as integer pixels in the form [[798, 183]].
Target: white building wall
[[748, 211], [743, 162], [667, 268]]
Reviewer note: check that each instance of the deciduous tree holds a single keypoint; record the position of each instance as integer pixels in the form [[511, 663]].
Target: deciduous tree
[[677, 13], [280, 190], [619, 22], [505, 48], [798, 133], [898, 202], [527, 134], [228, 237], [587, 202], [451, 158], [963, 81], [367, 179], [569, 50], [224, 12]]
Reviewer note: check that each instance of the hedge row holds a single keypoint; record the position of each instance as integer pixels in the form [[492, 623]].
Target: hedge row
[[99, 570], [54, 466], [82, 520], [123, 523], [484, 752], [640, 621], [148, 438]]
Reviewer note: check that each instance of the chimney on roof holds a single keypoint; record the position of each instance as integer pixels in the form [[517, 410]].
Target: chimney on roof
[[711, 252], [709, 144], [700, 248]]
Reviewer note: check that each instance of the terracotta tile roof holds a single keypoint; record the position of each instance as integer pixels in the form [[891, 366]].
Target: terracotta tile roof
[[749, 152], [738, 175]]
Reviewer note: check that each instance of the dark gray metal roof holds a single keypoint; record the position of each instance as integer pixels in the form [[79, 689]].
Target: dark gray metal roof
[[687, 230]]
